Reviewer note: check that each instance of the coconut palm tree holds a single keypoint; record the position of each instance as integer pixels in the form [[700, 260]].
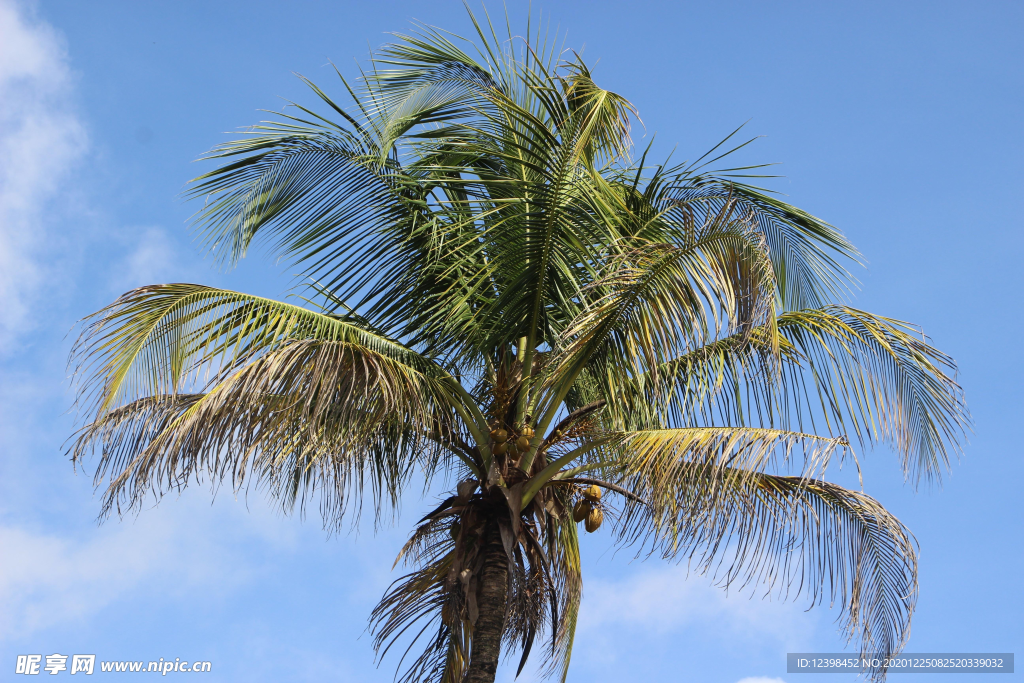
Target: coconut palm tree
[[499, 297]]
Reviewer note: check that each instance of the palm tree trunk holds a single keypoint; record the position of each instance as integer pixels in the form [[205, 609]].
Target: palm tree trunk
[[490, 623]]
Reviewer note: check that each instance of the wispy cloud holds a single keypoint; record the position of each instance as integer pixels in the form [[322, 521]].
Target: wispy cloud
[[55, 577], [661, 609], [41, 140], [49, 579], [52, 578], [664, 601]]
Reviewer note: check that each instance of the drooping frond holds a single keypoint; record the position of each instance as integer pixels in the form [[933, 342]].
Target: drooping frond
[[806, 252], [426, 604], [708, 499], [878, 378], [734, 380], [653, 461], [156, 339], [299, 400], [564, 556]]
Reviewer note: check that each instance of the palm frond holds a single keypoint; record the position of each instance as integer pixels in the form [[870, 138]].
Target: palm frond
[[564, 554], [156, 339], [426, 603], [315, 190], [878, 378], [300, 400], [708, 499], [661, 300], [807, 253], [841, 370]]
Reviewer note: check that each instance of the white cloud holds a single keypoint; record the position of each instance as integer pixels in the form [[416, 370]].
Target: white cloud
[[41, 140], [176, 549], [665, 600], [48, 579], [182, 548]]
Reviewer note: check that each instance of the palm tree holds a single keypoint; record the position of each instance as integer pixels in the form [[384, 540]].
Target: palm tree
[[501, 298]]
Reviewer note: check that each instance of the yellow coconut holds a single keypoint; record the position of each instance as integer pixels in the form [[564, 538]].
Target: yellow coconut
[[523, 443], [592, 493], [581, 511], [594, 520], [528, 431], [499, 435]]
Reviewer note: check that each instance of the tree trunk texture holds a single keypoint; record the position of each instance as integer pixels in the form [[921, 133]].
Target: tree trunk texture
[[490, 624]]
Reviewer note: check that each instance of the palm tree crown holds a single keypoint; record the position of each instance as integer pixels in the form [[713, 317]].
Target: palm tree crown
[[501, 296]]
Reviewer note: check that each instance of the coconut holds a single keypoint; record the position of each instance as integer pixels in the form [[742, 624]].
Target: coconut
[[527, 431], [594, 520], [581, 510], [499, 435], [523, 443], [499, 448], [592, 493]]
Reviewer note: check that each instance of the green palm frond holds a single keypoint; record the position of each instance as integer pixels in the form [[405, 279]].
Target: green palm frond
[[317, 192], [807, 253], [734, 380], [659, 301], [806, 250]]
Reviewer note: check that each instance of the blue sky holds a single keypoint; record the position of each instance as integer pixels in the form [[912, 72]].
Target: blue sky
[[898, 122]]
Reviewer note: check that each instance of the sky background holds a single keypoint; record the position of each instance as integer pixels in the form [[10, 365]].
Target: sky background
[[901, 123]]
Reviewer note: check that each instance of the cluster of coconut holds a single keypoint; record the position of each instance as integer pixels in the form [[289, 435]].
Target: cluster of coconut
[[588, 510], [500, 438]]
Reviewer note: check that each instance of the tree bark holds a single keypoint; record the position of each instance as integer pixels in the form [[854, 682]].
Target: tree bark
[[490, 623]]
